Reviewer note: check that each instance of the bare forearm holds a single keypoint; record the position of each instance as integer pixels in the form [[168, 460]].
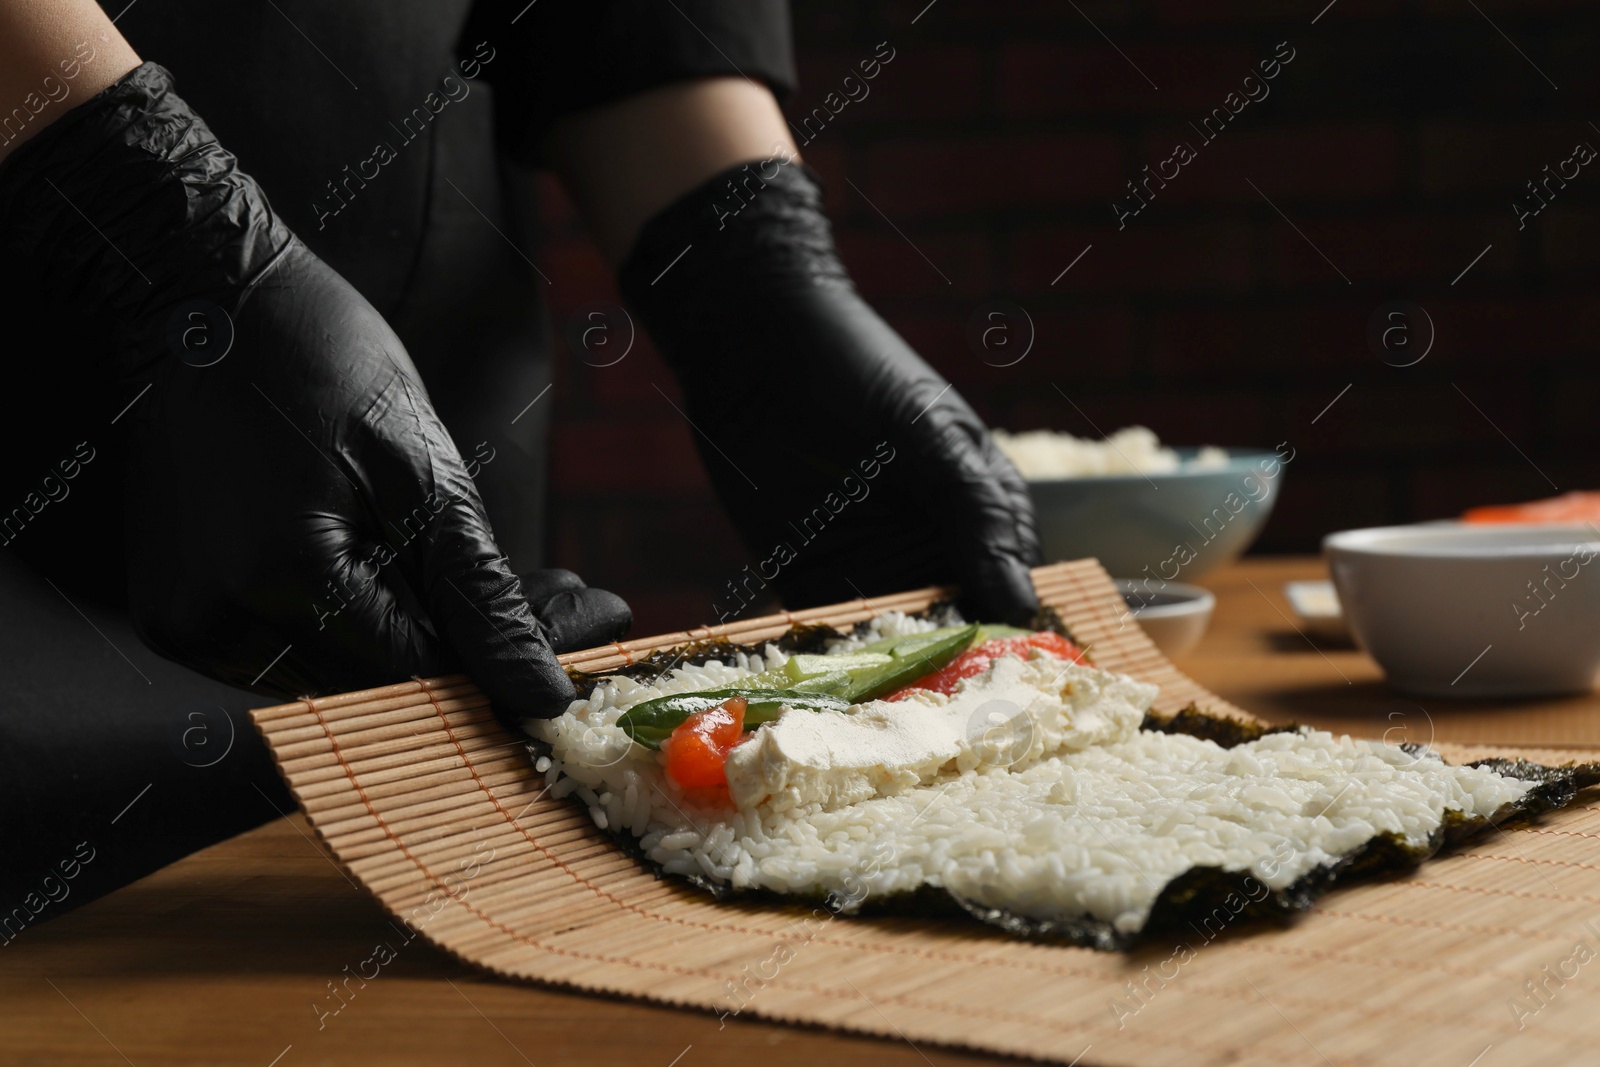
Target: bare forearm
[[54, 54], [624, 162]]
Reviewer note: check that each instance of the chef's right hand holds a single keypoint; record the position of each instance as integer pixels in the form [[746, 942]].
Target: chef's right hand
[[300, 519]]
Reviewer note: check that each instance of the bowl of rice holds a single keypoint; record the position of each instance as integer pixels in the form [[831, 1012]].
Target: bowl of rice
[[1144, 510]]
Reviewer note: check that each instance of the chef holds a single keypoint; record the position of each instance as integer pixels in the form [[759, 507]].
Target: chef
[[277, 355]]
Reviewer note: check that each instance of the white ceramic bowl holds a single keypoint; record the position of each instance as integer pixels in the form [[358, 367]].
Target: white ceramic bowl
[[1172, 614], [1474, 611], [1160, 526]]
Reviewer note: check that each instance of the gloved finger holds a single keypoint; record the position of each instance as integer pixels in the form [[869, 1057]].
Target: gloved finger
[[540, 585], [478, 605], [366, 628], [466, 587], [986, 515], [573, 614]]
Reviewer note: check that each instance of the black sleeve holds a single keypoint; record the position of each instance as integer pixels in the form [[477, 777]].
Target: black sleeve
[[550, 58]]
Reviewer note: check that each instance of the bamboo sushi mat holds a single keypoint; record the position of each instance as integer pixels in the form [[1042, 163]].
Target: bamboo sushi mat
[[422, 796]]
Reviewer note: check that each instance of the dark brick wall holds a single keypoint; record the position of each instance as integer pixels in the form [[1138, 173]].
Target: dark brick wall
[[997, 139]]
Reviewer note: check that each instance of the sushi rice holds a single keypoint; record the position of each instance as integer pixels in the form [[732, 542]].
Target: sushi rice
[[1064, 833]]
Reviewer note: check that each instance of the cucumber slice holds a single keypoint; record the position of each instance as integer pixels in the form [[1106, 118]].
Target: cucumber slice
[[900, 645], [653, 721], [824, 683], [990, 631], [805, 667], [903, 646], [906, 665]]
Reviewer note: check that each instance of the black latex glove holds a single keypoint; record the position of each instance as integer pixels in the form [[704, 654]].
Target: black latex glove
[[299, 519], [828, 439], [574, 616]]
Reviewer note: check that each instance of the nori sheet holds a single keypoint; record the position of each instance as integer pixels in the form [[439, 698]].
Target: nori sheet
[[1206, 901]]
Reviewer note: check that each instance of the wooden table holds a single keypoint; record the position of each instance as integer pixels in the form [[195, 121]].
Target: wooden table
[[223, 957], [1255, 656]]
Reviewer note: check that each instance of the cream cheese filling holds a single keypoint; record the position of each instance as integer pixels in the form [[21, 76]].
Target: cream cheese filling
[[1009, 716]]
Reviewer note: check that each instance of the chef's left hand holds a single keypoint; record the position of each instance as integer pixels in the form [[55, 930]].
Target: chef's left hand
[[848, 464]]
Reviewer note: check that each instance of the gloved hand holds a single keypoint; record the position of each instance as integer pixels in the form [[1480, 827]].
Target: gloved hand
[[849, 466], [300, 520]]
